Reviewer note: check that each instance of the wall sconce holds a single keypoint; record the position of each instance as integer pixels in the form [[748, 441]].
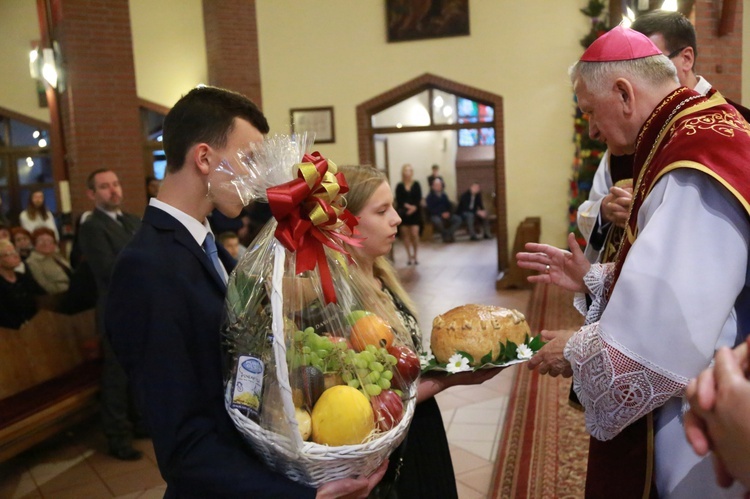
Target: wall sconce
[[45, 64]]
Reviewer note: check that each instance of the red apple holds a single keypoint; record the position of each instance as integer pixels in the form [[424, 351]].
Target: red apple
[[407, 365], [388, 409]]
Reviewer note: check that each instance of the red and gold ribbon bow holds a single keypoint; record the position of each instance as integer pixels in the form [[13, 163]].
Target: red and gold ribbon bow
[[311, 214]]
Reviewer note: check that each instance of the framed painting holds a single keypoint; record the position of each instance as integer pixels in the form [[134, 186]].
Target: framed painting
[[421, 19], [317, 120]]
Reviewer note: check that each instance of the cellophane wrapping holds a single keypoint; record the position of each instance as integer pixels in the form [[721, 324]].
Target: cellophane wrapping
[[322, 388]]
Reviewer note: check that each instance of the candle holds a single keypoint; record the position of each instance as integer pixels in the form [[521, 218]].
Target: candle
[[65, 196]]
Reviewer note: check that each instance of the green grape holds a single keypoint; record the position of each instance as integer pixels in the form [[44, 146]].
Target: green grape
[[368, 356], [362, 373], [376, 366], [384, 383], [299, 335], [322, 352], [373, 376], [305, 359], [353, 383], [341, 345], [325, 345], [371, 349], [373, 390], [391, 360], [347, 376], [318, 365], [310, 331], [387, 375], [306, 350], [314, 357], [398, 392], [361, 363]]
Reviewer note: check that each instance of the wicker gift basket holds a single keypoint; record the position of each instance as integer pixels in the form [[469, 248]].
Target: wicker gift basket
[[305, 344]]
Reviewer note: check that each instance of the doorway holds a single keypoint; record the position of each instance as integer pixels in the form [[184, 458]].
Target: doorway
[[458, 127]]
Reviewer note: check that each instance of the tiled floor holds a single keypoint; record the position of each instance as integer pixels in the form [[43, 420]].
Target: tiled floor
[[74, 464]]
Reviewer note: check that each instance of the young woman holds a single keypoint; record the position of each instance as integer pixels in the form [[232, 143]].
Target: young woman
[[422, 466], [408, 205], [37, 215]]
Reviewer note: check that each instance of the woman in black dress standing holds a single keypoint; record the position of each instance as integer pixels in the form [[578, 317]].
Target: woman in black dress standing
[[408, 206]]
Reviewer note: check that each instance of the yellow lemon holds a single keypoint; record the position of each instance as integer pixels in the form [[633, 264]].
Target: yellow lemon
[[342, 416]]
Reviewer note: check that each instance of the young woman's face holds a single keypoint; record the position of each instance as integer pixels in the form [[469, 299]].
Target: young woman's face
[[378, 223], [37, 199]]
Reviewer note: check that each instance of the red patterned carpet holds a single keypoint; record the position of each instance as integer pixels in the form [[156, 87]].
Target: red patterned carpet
[[545, 445]]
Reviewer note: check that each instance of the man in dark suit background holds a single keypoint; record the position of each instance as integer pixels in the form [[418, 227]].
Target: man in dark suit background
[[104, 234], [471, 207], [166, 305]]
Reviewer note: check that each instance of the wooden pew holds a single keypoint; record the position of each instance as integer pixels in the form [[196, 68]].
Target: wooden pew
[[49, 378]]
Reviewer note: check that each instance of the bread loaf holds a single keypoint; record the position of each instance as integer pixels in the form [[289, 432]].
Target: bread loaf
[[476, 330]]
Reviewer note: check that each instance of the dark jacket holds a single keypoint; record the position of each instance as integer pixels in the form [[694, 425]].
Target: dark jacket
[[163, 318], [437, 204], [465, 201]]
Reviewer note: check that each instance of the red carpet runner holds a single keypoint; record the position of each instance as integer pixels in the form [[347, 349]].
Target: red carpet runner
[[545, 445]]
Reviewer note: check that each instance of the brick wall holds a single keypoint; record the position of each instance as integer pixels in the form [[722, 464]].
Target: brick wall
[[232, 46], [99, 106], [719, 57]]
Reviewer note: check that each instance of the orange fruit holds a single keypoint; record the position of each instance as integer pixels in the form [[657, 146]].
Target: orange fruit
[[371, 330]]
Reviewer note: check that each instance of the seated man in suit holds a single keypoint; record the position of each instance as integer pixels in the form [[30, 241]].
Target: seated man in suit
[[471, 207], [440, 211], [166, 304]]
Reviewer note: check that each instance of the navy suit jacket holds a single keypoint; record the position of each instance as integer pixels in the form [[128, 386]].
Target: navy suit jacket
[[163, 317]]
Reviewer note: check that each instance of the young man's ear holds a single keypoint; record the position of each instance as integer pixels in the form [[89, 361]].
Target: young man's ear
[[90, 194], [201, 154]]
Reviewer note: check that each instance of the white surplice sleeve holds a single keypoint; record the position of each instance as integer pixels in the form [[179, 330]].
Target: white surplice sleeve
[[588, 212], [671, 308]]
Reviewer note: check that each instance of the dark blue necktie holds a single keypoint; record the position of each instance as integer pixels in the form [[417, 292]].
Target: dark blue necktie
[[209, 245]]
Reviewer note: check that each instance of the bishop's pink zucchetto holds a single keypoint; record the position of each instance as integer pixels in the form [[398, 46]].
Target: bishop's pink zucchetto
[[620, 44]]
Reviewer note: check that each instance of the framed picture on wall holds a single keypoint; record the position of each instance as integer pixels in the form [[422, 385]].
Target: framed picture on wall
[[318, 120], [421, 19]]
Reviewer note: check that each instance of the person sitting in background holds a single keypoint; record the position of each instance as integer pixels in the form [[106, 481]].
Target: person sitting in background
[[440, 211], [49, 268], [18, 291], [22, 241], [470, 206], [36, 214], [152, 187], [231, 243]]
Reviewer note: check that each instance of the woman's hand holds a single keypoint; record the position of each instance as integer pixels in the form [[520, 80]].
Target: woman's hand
[[435, 382], [556, 266]]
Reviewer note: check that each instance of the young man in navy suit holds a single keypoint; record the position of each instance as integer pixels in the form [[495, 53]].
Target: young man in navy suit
[[165, 311]]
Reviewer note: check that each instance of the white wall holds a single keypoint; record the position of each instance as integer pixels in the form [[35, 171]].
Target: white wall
[[19, 26], [169, 48]]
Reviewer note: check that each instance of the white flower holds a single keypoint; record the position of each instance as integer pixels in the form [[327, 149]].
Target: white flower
[[458, 363], [425, 358], [524, 352]]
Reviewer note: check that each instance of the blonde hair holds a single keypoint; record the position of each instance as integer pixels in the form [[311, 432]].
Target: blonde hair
[[363, 182]]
